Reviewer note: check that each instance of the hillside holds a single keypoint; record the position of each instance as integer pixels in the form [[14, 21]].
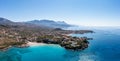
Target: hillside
[[18, 34], [50, 23]]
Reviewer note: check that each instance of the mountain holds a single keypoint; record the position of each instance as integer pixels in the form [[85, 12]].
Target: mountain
[[4, 21], [21, 25], [34, 24], [50, 23]]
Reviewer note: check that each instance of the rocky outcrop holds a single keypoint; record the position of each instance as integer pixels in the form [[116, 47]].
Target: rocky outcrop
[[67, 42], [75, 44]]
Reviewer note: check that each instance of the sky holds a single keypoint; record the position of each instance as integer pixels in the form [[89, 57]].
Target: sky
[[78, 12]]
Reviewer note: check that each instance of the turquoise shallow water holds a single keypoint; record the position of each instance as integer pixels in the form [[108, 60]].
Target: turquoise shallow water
[[39, 53], [105, 46]]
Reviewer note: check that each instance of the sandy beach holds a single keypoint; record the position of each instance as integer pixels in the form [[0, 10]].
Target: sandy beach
[[35, 44]]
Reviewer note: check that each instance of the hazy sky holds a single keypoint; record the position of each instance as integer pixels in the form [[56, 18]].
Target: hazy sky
[[80, 12]]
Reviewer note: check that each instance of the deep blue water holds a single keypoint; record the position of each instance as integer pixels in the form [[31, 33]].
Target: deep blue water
[[105, 46]]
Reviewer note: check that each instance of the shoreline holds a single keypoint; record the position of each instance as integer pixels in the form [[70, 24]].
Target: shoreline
[[38, 44], [35, 44], [69, 43], [28, 44]]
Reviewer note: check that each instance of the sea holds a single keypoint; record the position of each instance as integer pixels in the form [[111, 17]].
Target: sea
[[105, 46]]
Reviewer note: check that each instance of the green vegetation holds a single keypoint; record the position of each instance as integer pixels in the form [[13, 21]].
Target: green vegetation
[[19, 35]]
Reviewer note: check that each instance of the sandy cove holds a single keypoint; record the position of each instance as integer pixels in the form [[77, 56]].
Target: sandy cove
[[35, 44]]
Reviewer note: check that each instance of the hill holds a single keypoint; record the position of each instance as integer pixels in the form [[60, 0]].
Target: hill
[[50, 23]]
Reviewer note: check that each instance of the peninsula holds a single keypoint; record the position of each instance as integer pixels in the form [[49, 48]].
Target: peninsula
[[18, 34]]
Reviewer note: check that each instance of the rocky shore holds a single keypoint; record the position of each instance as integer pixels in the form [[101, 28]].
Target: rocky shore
[[19, 34], [64, 40], [68, 42]]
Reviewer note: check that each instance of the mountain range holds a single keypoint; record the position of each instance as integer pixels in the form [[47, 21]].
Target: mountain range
[[39, 23], [50, 23]]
